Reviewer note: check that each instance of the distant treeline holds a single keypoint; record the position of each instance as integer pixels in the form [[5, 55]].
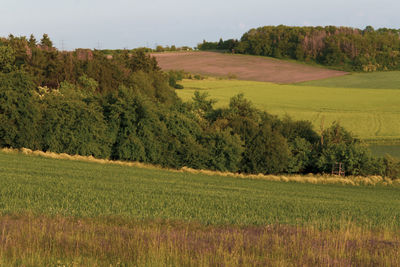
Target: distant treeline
[[341, 47], [123, 108], [159, 48]]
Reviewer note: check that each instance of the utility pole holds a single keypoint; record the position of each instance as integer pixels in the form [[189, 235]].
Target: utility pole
[[62, 45]]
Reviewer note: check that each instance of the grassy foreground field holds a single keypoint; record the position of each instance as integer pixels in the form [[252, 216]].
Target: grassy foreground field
[[84, 189], [368, 113], [62, 212]]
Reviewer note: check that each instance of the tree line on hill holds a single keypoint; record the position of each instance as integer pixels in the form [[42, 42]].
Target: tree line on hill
[[123, 108], [159, 48], [344, 48]]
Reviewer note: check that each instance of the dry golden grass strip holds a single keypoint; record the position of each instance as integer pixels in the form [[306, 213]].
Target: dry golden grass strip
[[27, 240]]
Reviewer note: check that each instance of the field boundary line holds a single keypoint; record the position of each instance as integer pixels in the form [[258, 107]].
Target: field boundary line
[[309, 178]]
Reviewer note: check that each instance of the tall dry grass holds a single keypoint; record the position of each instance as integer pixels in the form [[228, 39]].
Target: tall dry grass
[[309, 178], [27, 240]]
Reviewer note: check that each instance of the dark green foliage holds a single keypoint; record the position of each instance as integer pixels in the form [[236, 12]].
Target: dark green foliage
[[267, 152], [203, 107], [340, 47], [134, 127], [207, 45], [198, 77], [7, 59], [124, 108], [339, 146], [159, 48], [164, 135], [265, 149], [227, 45], [46, 42], [73, 123], [32, 41], [174, 76], [301, 156], [50, 67], [391, 167], [225, 150], [138, 60], [19, 113]]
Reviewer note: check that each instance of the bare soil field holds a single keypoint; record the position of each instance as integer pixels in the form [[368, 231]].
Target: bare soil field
[[244, 67]]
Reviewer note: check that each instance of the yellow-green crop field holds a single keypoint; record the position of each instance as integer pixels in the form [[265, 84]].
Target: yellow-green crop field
[[373, 80], [370, 114]]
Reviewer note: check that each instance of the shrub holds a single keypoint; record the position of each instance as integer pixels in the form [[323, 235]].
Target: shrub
[[19, 114], [178, 86], [392, 167]]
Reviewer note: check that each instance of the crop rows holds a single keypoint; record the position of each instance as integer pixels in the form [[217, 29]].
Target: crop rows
[[83, 189]]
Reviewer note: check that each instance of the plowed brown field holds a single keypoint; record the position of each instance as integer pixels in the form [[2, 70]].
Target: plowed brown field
[[244, 67]]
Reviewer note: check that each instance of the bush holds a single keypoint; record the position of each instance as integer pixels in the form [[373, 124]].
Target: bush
[[178, 86], [73, 123], [19, 113], [392, 167], [340, 146], [198, 77], [175, 76]]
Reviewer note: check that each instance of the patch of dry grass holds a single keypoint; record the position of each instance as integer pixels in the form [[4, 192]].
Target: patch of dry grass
[[26, 240]]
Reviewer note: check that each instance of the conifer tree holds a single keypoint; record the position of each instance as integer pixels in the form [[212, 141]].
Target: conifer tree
[[46, 42]]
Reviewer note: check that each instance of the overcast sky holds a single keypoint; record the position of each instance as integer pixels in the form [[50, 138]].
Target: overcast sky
[[133, 23]]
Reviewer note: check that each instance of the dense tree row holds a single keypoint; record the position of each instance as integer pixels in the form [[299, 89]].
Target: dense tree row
[[341, 47], [50, 67], [159, 48], [125, 109]]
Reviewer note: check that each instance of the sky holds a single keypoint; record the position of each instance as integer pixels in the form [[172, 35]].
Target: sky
[[118, 24]]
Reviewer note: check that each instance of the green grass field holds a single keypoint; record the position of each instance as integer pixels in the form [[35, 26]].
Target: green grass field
[[368, 113], [374, 80], [56, 212], [82, 189], [381, 150]]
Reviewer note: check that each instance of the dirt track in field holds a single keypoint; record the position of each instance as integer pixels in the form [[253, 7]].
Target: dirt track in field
[[243, 67]]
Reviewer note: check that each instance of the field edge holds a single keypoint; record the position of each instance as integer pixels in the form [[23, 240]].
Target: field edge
[[296, 178]]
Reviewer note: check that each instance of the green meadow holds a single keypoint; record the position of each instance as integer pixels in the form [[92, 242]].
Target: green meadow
[[370, 114], [374, 80], [46, 186], [56, 212], [381, 150]]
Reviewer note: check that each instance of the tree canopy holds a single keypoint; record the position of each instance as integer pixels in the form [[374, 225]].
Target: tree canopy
[[344, 48], [123, 108]]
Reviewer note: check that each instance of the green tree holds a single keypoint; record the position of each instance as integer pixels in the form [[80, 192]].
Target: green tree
[[32, 41], [7, 59], [19, 114], [268, 152], [73, 123], [46, 42]]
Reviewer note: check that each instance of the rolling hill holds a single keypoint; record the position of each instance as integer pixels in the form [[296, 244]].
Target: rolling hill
[[244, 67]]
